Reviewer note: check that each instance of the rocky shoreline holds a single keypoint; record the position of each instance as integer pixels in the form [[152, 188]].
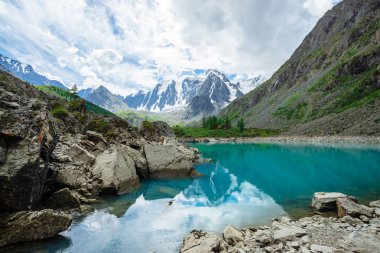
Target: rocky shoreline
[[334, 139], [56, 157], [355, 229]]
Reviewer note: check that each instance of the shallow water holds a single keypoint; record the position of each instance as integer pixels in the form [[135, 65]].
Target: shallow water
[[245, 185]]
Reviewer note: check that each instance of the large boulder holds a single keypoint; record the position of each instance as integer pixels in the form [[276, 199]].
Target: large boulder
[[116, 170], [201, 242], [63, 198], [31, 226], [349, 207], [27, 139], [140, 162], [165, 161], [156, 131], [232, 235], [326, 201], [71, 163]]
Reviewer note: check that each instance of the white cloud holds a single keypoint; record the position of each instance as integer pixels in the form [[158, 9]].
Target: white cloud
[[129, 45], [318, 7]]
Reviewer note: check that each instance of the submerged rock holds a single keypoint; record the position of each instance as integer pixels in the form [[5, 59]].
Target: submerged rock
[[31, 226]]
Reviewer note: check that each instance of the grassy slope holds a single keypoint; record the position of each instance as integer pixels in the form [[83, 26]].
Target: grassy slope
[[66, 95], [316, 86], [197, 132]]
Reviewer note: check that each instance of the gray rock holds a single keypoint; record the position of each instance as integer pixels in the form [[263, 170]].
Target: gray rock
[[326, 201], [156, 131], [349, 207], [201, 242], [95, 137], [3, 151], [232, 235], [29, 140], [140, 162], [322, 248], [71, 174], [116, 170], [361, 242], [63, 198], [31, 226], [165, 161], [375, 203], [288, 233], [79, 154]]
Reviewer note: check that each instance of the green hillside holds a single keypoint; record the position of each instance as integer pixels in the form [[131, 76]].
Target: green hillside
[[66, 95], [331, 83]]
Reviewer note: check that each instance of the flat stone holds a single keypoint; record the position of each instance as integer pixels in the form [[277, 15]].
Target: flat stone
[[288, 233], [322, 248], [201, 242], [326, 201], [349, 207]]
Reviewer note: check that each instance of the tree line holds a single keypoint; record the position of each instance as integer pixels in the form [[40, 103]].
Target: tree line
[[214, 122]]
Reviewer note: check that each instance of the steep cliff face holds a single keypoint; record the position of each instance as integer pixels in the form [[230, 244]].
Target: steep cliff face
[[331, 83]]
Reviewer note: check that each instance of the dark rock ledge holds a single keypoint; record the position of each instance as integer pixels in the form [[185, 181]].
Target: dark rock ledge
[[355, 229]]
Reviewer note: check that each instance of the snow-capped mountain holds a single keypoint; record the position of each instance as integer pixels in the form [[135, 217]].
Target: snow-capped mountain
[[26, 73], [191, 96], [213, 86], [249, 83], [101, 96]]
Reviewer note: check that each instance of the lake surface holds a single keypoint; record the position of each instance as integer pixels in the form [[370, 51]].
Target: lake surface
[[244, 185]]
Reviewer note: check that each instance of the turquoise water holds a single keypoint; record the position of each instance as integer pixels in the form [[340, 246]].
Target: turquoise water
[[244, 185]]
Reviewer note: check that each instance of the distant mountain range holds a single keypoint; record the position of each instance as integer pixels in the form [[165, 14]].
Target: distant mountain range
[[101, 96], [191, 96], [204, 94], [26, 73]]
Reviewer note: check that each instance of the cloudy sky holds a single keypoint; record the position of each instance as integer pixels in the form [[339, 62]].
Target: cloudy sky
[[128, 45]]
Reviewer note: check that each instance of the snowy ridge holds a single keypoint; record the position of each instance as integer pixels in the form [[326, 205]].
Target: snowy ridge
[[26, 73], [170, 94]]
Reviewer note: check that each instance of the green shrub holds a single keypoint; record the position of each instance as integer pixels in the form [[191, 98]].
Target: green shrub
[[60, 113], [147, 124], [74, 105], [99, 125]]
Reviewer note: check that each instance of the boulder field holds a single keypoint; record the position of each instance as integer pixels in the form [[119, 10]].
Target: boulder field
[[55, 155], [354, 228]]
